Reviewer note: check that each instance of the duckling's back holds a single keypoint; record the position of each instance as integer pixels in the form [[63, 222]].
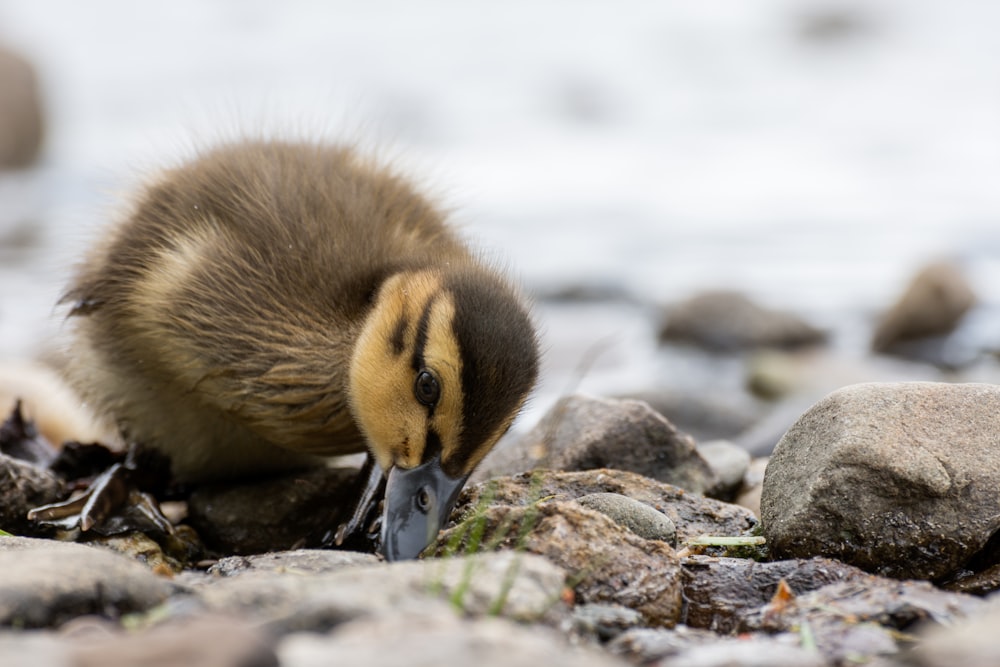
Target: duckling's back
[[217, 321]]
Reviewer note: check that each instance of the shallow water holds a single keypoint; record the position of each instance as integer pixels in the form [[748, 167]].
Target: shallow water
[[810, 153]]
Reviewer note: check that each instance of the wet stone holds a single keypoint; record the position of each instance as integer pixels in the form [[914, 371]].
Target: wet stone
[[863, 617], [274, 514], [604, 621], [720, 592], [692, 514], [609, 564], [46, 583], [584, 433], [25, 487], [638, 517], [899, 479], [729, 462]]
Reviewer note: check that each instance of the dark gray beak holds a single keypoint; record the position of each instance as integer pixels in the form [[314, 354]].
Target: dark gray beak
[[417, 503]]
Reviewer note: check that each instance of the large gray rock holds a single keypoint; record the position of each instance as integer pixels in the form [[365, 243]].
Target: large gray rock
[[584, 433], [45, 583], [898, 479], [725, 321]]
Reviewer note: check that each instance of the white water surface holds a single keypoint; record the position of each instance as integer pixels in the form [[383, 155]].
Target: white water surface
[[812, 154]]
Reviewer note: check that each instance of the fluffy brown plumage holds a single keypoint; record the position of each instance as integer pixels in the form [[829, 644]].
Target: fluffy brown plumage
[[272, 302]]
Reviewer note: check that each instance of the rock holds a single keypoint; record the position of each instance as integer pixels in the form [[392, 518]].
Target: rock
[[604, 621], [974, 583], [705, 416], [31, 649], [862, 618], [644, 646], [273, 514], [46, 583], [932, 305], [300, 561], [201, 641], [772, 375], [21, 123], [724, 321], [693, 515], [638, 517], [610, 564], [753, 485], [758, 651], [583, 433], [592, 292], [439, 638], [690, 647], [720, 592], [898, 479], [972, 642], [519, 586], [729, 463], [25, 487], [832, 24]]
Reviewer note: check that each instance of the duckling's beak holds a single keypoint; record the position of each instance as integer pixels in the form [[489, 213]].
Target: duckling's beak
[[417, 503]]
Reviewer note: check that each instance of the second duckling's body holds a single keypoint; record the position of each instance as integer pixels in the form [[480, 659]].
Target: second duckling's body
[[270, 303]]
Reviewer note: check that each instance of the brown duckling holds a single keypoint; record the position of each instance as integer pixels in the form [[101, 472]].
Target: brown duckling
[[270, 303]]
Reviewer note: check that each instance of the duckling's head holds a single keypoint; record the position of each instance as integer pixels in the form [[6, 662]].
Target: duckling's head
[[441, 368]]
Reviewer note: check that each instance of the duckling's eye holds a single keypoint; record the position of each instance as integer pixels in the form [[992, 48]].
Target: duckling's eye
[[427, 389], [424, 500]]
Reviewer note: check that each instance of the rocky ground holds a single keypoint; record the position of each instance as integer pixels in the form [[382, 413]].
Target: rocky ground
[[604, 536], [879, 550]]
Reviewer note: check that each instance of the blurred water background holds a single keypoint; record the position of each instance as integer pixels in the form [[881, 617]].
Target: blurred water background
[[811, 153]]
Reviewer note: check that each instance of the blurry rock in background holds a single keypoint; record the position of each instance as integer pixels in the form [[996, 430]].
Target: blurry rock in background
[[704, 415], [21, 116], [932, 306], [728, 321], [833, 24]]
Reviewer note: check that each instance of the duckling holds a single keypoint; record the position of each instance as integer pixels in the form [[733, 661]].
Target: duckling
[[272, 303]]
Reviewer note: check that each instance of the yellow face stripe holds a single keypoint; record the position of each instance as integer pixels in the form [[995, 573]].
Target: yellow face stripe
[[411, 321]]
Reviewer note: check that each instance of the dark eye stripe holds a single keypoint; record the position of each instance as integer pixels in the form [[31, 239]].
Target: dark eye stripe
[[423, 324], [432, 446], [398, 339]]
